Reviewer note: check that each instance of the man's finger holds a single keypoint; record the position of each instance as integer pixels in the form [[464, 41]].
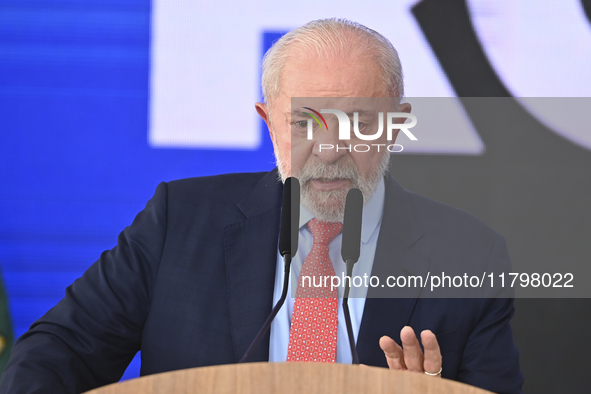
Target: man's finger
[[433, 360], [393, 353], [413, 354]]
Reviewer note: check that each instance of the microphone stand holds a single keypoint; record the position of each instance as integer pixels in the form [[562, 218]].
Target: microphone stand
[[350, 251], [288, 246], [355, 356], [267, 325]]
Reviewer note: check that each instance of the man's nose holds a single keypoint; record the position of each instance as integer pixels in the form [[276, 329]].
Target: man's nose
[[328, 147]]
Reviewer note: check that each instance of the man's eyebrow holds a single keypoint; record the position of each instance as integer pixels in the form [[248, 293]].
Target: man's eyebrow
[[297, 112], [363, 112]]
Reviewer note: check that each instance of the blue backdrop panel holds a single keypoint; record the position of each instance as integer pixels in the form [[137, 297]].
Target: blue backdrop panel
[[75, 164]]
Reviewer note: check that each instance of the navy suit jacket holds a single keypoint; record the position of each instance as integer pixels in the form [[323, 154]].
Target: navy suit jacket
[[190, 283]]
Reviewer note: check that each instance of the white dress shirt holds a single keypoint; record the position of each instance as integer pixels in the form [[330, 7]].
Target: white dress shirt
[[372, 219]]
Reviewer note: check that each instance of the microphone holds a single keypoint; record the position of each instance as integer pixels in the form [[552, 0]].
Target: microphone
[[288, 246], [290, 210], [350, 250], [352, 227]]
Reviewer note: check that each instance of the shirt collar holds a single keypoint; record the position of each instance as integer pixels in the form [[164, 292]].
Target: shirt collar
[[371, 217]]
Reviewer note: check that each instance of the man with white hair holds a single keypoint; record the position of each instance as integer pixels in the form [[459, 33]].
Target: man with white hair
[[334, 58], [192, 280]]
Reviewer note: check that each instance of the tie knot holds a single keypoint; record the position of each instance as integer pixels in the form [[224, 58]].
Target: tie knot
[[324, 232]]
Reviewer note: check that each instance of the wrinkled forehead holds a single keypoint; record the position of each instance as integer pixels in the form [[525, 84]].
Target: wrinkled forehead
[[313, 75]]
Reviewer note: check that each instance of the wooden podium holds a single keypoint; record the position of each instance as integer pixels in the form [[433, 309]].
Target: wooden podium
[[308, 378]]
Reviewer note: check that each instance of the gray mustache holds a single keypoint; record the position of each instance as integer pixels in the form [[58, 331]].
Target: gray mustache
[[328, 171]]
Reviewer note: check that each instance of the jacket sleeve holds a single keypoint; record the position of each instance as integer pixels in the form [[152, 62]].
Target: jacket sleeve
[[89, 338], [490, 359]]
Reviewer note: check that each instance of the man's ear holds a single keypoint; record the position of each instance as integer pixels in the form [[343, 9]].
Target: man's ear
[[263, 111], [405, 107]]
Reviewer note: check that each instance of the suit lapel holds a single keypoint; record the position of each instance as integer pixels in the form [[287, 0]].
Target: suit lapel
[[250, 248], [383, 314]]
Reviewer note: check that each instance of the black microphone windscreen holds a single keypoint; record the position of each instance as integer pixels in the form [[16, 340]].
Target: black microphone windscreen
[[352, 225], [290, 217]]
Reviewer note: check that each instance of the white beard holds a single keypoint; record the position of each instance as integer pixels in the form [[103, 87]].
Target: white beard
[[329, 206]]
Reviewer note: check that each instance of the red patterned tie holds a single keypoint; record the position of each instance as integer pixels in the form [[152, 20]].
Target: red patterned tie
[[313, 334]]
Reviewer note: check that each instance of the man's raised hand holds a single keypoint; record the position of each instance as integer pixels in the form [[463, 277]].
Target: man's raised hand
[[410, 356]]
